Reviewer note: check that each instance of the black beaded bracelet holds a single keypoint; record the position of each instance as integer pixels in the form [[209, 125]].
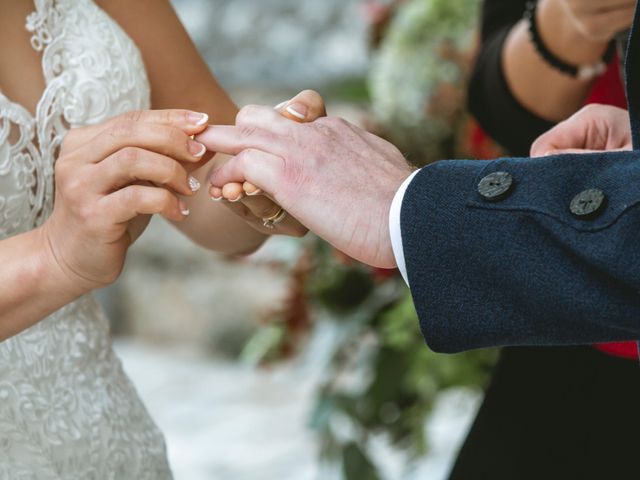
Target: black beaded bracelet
[[583, 72]]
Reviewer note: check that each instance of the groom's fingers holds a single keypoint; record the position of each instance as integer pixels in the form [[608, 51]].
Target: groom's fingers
[[256, 116], [234, 139], [262, 169]]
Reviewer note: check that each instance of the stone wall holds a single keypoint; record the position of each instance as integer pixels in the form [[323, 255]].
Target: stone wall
[[275, 43]]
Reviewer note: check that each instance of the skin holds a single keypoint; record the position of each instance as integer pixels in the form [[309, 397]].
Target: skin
[[593, 128], [314, 170], [578, 32], [111, 177]]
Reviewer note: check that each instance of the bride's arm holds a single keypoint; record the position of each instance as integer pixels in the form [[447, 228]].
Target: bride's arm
[[180, 79]]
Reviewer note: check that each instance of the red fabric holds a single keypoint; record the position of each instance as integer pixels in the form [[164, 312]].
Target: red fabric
[[609, 90]]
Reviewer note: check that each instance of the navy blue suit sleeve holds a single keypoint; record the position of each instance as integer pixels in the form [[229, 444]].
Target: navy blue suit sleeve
[[524, 270]]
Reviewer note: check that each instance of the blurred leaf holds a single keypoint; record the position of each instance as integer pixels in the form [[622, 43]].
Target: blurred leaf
[[353, 90], [264, 344], [357, 465], [341, 288]]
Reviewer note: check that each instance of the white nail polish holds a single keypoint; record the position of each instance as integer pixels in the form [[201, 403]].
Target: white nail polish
[[216, 199], [253, 194], [203, 150], [194, 184], [203, 120], [237, 199], [295, 113], [185, 212], [280, 105]]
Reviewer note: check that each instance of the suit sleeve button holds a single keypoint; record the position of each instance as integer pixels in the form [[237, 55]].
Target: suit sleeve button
[[588, 204], [496, 186]]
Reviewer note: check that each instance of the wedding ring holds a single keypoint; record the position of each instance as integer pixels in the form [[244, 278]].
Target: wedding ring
[[273, 220]]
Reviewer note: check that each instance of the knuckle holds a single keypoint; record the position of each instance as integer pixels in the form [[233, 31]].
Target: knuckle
[[172, 171], [247, 155], [176, 140], [165, 200], [334, 123], [247, 132], [131, 196], [85, 212], [246, 113], [124, 128], [73, 187], [133, 116], [173, 116], [127, 157]]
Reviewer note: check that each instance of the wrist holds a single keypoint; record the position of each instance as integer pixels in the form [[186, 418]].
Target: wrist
[[50, 272], [563, 38]]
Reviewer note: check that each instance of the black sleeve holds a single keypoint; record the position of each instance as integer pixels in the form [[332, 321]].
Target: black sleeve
[[490, 99]]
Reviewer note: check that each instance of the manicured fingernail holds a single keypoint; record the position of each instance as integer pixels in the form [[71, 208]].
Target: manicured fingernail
[[254, 193], [216, 199], [183, 209], [198, 119], [237, 199], [298, 110], [280, 105], [194, 184], [196, 148]]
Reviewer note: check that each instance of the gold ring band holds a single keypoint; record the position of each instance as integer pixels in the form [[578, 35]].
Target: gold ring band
[[273, 220]]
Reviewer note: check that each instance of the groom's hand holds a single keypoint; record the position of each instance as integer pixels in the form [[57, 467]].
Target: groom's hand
[[334, 177]]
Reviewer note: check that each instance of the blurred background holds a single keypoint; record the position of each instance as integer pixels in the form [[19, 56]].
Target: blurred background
[[297, 363]]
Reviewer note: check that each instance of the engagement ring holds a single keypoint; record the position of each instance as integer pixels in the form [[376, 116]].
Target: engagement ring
[[273, 220]]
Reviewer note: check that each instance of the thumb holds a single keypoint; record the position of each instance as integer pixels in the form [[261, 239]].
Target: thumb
[[307, 106]]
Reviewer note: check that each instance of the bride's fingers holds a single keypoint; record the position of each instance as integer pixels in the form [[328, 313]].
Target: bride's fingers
[[257, 116], [261, 206], [233, 192], [169, 141], [254, 210], [190, 122], [307, 106], [232, 140], [132, 164], [126, 204], [254, 166], [250, 189]]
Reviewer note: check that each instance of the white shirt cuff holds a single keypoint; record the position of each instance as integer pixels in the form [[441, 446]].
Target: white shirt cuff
[[394, 226]]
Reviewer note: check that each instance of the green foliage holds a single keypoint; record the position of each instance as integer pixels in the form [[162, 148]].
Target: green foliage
[[340, 288], [353, 90], [383, 379], [357, 465]]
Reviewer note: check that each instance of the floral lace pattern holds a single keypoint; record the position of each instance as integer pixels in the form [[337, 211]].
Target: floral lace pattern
[[67, 410]]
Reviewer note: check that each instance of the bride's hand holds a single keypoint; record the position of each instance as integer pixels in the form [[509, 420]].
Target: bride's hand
[[248, 201], [108, 179]]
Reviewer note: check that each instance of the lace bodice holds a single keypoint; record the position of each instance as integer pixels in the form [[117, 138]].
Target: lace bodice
[[67, 410]]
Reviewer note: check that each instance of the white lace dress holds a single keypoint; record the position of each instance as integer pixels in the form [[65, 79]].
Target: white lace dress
[[67, 410]]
